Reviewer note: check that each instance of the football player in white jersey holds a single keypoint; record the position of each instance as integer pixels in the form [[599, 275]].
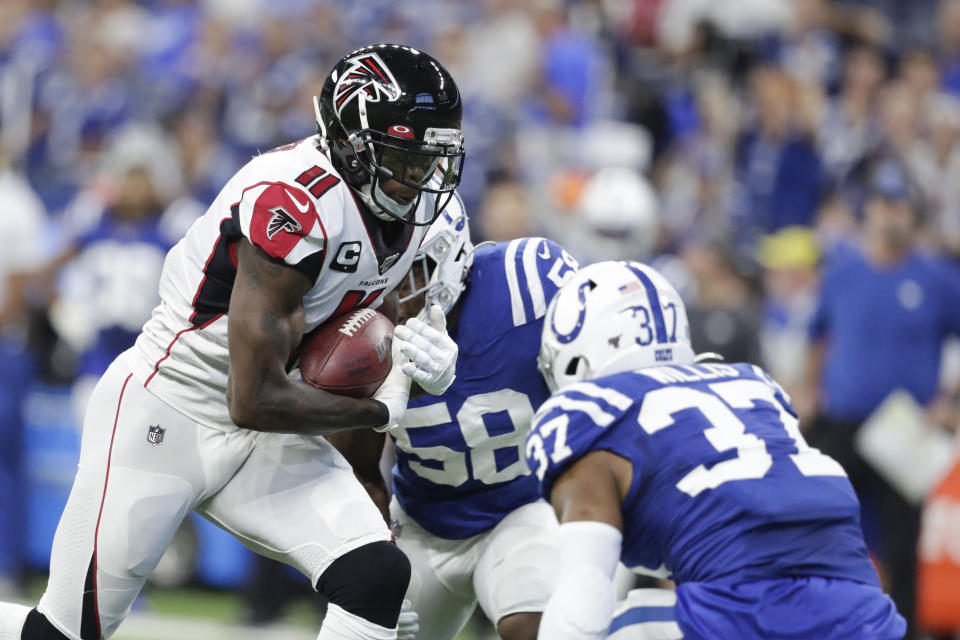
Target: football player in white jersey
[[204, 414]]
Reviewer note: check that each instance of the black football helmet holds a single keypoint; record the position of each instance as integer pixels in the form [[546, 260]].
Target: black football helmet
[[390, 112]]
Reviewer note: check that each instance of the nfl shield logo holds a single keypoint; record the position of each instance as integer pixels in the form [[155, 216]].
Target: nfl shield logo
[[155, 434]]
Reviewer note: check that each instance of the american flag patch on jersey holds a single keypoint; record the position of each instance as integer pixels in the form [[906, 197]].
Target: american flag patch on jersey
[[155, 434]]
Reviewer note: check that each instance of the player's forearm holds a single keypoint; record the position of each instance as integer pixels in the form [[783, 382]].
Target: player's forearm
[[266, 324], [580, 608], [582, 604], [262, 397], [294, 407]]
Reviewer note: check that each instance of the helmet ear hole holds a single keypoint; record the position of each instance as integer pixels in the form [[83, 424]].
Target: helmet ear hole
[[572, 366]]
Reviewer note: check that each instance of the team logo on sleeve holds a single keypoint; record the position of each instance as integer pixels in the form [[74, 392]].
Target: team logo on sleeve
[[369, 74], [282, 217], [282, 221]]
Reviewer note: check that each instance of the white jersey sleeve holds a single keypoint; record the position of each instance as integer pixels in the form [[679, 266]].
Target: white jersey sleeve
[[283, 220]]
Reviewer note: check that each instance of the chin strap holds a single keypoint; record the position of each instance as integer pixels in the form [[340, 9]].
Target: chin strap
[[378, 204], [362, 110]]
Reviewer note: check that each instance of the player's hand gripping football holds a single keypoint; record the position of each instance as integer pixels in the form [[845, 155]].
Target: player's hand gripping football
[[432, 353], [395, 390]]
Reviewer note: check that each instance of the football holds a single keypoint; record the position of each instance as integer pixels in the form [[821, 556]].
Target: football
[[349, 354]]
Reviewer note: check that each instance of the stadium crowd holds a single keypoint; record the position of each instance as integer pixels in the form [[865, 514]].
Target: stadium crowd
[[792, 165]]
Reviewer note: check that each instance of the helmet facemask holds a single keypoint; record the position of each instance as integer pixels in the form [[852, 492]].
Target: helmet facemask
[[442, 265], [433, 166]]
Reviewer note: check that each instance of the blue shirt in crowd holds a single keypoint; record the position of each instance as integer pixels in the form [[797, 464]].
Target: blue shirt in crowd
[[884, 329], [781, 180]]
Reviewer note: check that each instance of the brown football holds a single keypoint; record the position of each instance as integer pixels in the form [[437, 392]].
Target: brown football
[[349, 354]]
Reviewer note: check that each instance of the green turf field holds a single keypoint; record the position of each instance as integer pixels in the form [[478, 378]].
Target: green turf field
[[175, 614]]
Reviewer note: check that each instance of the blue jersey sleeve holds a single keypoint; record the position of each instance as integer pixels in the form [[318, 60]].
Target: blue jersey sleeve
[[535, 268], [572, 423]]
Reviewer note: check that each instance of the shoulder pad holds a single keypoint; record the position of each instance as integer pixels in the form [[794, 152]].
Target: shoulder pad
[[533, 269], [283, 221], [570, 424], [291, 205]]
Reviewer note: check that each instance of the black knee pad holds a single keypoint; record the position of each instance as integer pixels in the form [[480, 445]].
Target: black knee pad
[[369, 582], [38, 628]]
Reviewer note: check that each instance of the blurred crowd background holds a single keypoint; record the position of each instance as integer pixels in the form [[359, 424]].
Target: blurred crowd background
[[792, 166]]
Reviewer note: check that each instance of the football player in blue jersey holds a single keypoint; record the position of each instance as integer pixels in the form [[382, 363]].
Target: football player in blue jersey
[[694, 469], [466, 509]]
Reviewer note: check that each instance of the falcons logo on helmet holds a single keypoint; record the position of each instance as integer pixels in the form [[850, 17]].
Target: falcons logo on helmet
[[281, 221], [369, 74]]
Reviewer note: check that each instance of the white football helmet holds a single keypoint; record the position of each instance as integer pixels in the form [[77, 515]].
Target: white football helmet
[[619, 209], [445, 257], [612, 317]]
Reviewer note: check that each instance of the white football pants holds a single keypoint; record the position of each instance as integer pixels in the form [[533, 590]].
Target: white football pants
[[510, 569], [291, 498]]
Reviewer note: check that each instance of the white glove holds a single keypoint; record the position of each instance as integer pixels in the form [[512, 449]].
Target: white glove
[[395, 390], [409, 623], [432, 353]]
